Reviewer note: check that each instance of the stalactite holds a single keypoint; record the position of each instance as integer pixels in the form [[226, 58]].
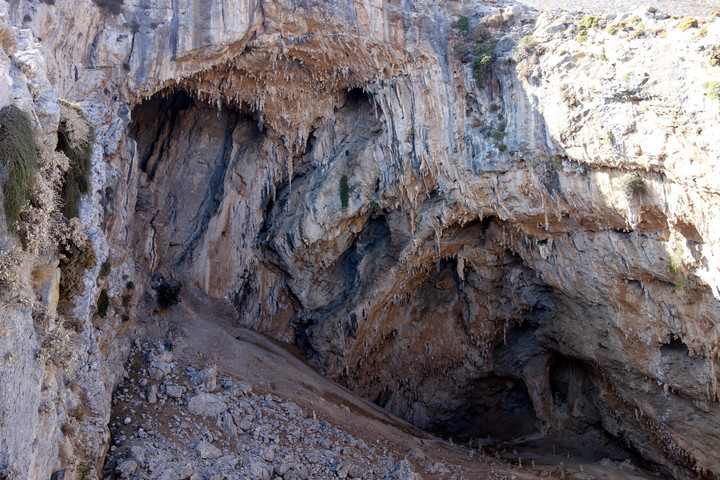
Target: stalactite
[[461, 266], [438, 233]]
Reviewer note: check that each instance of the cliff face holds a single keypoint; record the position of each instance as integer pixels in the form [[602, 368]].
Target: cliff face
[[59, 360], [454, 244]]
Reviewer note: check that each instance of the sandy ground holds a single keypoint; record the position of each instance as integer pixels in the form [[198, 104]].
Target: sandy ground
[[202, 331]]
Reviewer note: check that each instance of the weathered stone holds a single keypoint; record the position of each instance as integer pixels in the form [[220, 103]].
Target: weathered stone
[[207, 404], [343, 469], [403, 471], [152, 392], [126, 468], [259, 470], [158, 370], [207, 450], [207, 378], [355, 471], [174, 391], [228, 424]]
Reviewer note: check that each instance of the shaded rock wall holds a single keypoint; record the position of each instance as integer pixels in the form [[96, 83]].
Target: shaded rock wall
[[488, 258]]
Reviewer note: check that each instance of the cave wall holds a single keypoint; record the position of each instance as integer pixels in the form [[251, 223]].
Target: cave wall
[[487, 258]]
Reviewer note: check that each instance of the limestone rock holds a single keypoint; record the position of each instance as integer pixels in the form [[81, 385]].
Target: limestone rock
[[174, 391], [207, 404], [207, 378], [207, 450], [152, 392], [126, 468], [345, 176]]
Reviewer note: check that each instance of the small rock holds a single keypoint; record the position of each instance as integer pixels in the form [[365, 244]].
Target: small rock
[[243, 388], [207, 378], [268, 454], [342, 470], [127, 421], [227, 423], [158, 370], [207, 450], [283, 467], [137, 453], [59, 475], [174, 391], [207, 404], [152, 393], [355, 471], [416, 454], [258, 470], [126, 468], [440, 468], [403, 471], [230, 461]]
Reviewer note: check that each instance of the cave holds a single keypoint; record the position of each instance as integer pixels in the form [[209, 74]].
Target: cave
[[318, 240], [464, 346]]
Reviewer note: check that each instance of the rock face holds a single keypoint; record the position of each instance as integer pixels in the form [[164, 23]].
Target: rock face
[[59, 360], [538, 238]]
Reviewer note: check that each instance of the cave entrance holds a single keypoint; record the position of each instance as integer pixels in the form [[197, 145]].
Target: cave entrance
[[453, 349], [198, 162], [499, 409]]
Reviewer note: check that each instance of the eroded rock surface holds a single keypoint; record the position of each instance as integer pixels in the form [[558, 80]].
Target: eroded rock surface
[[536, 239]]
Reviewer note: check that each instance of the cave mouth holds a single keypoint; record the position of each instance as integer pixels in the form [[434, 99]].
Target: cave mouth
[[500, 418], [187, 149], [161, 119], [193, 158], [510, 391], [498, 410]]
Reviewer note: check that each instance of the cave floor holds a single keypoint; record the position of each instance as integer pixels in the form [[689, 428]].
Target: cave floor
[[203, 334]]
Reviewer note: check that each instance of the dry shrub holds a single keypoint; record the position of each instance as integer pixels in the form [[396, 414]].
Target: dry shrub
[[168, 293], [10, 265], [73, 123], [630, 184], [111, 6], [76, 254], [7, 40]]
